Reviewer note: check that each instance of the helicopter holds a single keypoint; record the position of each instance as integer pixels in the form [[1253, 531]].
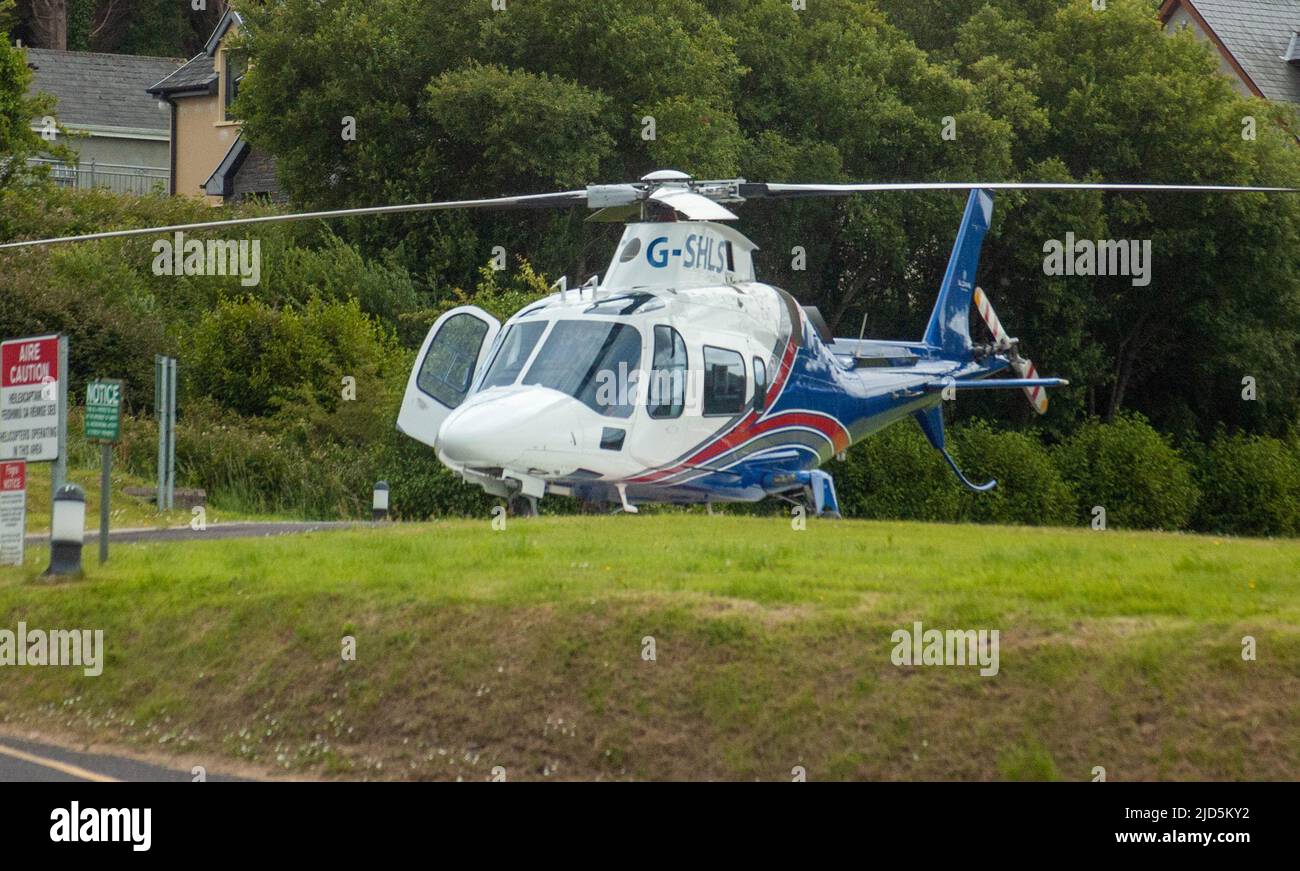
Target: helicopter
[[676, 376]]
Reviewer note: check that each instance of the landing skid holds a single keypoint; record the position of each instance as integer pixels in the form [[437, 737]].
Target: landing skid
[[818, 495], [522, 506]]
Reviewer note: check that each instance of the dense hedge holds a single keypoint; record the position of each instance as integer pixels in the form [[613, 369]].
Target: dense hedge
[[895, 474], [321, 462], [1246, 485], [1030, 488], [1131, 471], [1250, 485]]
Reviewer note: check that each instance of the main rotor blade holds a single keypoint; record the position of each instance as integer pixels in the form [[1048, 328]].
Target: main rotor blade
[[531, 201], [760, 190]]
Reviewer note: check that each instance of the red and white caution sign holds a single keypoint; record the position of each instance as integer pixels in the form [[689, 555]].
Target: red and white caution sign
[[13, 512], [29, 399], [1023, 367]]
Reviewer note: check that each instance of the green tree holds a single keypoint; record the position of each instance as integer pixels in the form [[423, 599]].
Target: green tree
[[18, 142], [1132, 472], [1126, 101], [463, 102], [834, 93]]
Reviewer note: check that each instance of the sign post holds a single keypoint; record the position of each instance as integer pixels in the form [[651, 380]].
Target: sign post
[[165, 406], [104, 425], [59, 471], [13, 512]]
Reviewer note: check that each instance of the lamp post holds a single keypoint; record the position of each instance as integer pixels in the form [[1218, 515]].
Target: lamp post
[[67, 531]]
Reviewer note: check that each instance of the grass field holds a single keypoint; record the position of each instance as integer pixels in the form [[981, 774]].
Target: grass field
[[524, 649]]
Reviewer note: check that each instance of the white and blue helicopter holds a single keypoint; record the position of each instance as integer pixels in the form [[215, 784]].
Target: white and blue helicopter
[[678, 376]]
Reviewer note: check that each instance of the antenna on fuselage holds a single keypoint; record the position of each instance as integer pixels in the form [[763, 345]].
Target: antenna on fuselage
[[562, 285]]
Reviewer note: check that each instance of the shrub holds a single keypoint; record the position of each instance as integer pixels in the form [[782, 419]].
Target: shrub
[[252, 358], [236, 462], [895, 474], [102, 307], [1131, 471], [1250, 486], [499, 295], [1030, 489], [336, 271], [244, 466], [421, 487]]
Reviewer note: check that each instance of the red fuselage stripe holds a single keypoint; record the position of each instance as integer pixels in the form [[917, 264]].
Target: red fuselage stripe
[[750, 426]]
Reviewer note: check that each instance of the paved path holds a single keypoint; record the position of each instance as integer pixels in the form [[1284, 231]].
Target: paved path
[[33, 762]]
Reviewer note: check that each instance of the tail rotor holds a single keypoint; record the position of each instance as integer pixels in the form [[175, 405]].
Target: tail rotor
[[1003, 343]]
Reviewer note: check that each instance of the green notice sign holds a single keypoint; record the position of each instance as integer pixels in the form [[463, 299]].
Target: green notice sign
[[104, 410]]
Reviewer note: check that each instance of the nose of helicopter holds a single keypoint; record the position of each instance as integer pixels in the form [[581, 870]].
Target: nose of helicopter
[[495, 430]]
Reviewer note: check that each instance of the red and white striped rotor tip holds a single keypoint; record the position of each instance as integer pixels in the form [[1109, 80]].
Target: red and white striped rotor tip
[[1024, 368]]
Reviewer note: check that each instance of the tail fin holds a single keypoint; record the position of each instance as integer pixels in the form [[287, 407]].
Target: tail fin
[[949, 327]]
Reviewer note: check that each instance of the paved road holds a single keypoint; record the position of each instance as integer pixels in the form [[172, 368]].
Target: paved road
[[32, 762], [213, 532]]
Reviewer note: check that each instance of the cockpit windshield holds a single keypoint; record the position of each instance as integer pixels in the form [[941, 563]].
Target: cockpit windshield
[[592, 361], [512, 354]]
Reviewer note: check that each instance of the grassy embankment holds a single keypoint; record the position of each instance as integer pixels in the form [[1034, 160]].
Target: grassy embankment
[[523, 649], [125, 512]]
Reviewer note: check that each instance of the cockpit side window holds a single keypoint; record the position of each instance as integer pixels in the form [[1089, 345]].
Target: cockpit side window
[[512, 354], [724, 381], [667, 394]]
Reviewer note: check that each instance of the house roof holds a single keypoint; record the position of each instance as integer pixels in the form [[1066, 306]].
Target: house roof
[[1258, 34], [198, 74], [229, 20], [101, 90], [222, 181]]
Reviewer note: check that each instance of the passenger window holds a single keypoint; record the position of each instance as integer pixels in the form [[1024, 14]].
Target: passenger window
[[667, 395], [724, 381], [760, 384]]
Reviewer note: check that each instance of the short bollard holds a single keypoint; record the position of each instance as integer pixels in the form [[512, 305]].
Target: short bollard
[[380, 504], [68, 532]]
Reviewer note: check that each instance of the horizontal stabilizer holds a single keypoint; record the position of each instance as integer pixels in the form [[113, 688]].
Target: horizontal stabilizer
[[995, 384]]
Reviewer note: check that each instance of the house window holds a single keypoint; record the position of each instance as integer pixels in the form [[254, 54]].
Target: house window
[[667, 394], [724, 381], [234, 64]]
